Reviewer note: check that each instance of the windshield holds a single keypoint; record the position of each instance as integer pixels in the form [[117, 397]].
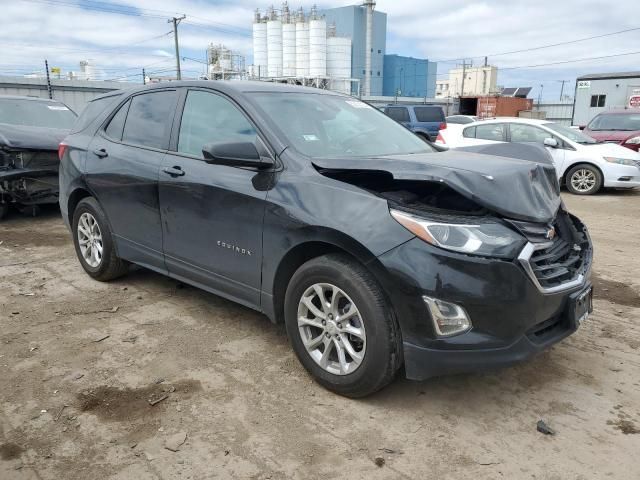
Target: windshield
[[32, 113], [616, 121], [572, 134], [320, 125]]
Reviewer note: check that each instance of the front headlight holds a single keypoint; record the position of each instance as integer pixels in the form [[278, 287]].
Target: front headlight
[[486, 238], [632, 141], [620, 161]]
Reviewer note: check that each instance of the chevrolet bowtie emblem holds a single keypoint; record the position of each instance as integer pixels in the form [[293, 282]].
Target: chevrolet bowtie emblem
[[551, 233]]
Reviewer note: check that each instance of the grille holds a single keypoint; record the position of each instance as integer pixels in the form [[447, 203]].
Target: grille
[[637, 162], [556, 264]]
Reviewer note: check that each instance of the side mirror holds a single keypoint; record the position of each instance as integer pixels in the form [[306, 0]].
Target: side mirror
[[582, 127], [237, 154], [551, 142]]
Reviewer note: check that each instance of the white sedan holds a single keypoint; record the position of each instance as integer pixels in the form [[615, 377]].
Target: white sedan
[[583, 164]]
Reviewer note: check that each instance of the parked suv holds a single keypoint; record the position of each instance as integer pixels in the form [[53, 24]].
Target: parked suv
[[423, 120], [316, 209], [617, 126]]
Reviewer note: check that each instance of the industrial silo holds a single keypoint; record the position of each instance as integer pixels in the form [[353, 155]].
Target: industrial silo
[[317, 45], [259, 46], [288, 43], [339, 61], [302, 45], [274, 44]]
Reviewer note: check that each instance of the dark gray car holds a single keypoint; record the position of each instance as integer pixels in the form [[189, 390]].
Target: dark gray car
[[316, 209]]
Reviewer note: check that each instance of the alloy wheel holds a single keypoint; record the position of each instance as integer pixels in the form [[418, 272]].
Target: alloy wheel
[[331, 328], [583, 180], [90, 240]]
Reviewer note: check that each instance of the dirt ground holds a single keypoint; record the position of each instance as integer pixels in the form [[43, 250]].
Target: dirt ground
[[80, 362]]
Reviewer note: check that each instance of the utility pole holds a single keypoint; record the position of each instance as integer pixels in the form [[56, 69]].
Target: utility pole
[[562, 88], [46, 66], [144, 77], [176, 21]]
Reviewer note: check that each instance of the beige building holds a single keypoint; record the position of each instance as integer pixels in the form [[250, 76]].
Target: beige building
[[477, 81]]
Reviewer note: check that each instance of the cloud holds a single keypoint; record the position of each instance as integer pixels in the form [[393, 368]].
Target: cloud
[[121, 44]]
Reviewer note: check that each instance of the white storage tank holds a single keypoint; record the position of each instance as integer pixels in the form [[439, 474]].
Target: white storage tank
[[302, 46], [259, 46], [339, 57], [317, 47], [274, 45], [289, 50]]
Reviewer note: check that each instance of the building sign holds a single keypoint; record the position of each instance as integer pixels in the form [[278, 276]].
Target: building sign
[[634, 101], [584, 84]]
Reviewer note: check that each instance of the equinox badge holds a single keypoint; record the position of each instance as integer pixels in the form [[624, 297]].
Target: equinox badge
[[235, 248]]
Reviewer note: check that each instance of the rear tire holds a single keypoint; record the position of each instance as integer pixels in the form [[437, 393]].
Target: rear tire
[[94, 243], [424, 137], [368, 339], [583, 179]]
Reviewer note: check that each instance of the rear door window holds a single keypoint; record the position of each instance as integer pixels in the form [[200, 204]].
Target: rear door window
[[492, 131], [149, 119], [429, 114], [399, 114]]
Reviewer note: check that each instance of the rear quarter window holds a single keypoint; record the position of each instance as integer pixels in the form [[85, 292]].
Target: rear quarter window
[[469, 132], [429, 114], [91, 112]]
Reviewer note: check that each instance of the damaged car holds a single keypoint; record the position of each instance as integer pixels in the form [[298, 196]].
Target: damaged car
[[378, 253], [31, 129]]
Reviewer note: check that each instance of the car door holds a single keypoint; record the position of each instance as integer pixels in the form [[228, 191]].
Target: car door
[[122, 168], [212, 215], [522, 132]]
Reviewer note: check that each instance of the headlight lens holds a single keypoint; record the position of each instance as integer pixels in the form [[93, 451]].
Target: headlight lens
[[620, 161], [633, 141], [489, 239]]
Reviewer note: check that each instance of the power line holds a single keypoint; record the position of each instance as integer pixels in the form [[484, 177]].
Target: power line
[[543, 46], [125, 10]]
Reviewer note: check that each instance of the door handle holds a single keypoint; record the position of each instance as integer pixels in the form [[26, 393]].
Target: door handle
[[174, 171], [100, 153]]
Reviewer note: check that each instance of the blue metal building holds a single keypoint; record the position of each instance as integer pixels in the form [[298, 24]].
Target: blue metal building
[[351, 22], [409, 77]]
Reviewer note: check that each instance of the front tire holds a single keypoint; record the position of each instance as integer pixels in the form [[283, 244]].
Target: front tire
[[341, 326], [584, 179], [94, 243]]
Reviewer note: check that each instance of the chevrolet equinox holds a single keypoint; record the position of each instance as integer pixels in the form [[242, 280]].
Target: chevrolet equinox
[[375, 250]]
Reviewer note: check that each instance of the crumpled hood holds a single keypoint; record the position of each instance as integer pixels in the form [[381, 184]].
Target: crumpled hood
[[34, 138], [517, 189]]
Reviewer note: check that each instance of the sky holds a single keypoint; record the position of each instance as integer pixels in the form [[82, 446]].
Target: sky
[[121, 37]]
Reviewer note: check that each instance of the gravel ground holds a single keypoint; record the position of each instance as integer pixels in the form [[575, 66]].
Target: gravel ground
[[81, 361]]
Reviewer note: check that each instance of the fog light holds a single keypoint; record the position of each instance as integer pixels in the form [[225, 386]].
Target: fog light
[[448, 318]]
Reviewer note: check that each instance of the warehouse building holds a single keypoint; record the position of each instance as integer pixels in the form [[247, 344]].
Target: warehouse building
[[604, 91], [409, 77]]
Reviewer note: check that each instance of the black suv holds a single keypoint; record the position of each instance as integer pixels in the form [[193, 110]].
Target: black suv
[[318, 210]]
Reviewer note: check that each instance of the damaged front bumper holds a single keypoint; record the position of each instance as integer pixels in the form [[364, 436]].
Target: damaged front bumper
[[28, 177], [512, 316]]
